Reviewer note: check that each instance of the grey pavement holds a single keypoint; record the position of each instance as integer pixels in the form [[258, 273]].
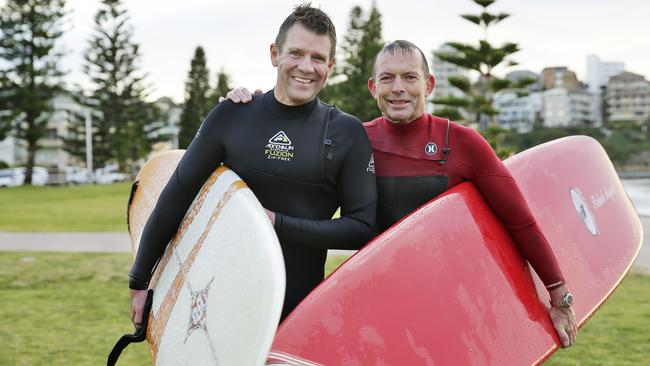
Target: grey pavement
[[102, 242], [119, 242]]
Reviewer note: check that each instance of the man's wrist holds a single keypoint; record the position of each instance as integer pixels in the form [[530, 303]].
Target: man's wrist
[[137, 284], [565, 301], [561, 297], [277, 222]]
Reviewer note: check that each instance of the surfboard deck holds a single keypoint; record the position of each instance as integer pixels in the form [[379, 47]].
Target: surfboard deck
[[219, 287], [446, 285]]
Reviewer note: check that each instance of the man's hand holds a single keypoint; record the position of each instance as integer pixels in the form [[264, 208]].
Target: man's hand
[[564, 320], [138, 298], [565, 325], [240, 95]]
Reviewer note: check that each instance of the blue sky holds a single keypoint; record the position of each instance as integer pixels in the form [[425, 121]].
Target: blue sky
[[236, 34]]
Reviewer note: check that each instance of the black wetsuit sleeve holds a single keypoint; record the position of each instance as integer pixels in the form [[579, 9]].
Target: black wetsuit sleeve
[[358, 196], [202, 157]]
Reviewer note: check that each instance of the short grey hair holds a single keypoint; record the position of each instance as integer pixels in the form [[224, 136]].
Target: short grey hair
[[405, 47]]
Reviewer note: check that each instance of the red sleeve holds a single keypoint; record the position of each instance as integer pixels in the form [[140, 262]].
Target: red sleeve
[[479, 164]]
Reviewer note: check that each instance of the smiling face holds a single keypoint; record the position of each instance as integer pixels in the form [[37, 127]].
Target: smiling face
[[400, 86], [303, 64]]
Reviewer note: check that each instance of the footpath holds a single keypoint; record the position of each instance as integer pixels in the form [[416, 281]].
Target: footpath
[[100, 242], [119, 242]]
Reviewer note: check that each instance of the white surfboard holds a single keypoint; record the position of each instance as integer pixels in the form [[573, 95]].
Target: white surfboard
[[219, 287]]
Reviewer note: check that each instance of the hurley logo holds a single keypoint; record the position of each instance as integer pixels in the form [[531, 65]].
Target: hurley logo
[[431, 148]]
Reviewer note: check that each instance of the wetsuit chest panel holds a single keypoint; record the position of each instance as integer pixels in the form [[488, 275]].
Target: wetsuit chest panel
[[422, 139], [411, 163], [399, 196], [284, 158], [290, 150]]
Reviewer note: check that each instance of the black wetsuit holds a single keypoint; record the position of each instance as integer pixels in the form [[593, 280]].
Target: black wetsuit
[[301, 162]]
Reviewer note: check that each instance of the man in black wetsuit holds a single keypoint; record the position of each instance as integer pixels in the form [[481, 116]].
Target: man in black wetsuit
[[302, 158]]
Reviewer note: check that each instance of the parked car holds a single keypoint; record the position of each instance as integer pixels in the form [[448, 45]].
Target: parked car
[[7, 178], [39, 175], [77, 175], [109, 175]]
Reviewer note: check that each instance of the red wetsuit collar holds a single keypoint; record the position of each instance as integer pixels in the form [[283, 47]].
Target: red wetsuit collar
[[407, 129], [423, 138]]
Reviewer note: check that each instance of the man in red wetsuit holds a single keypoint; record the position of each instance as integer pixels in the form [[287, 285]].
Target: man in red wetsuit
[[418, 156]]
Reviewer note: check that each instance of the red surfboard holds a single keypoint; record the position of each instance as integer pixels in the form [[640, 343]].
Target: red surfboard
[[446, 285]]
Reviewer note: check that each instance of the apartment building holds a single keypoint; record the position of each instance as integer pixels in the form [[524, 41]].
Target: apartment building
[[560, 77], [627, 98], [599, 72], [443, 70], [565, 107]]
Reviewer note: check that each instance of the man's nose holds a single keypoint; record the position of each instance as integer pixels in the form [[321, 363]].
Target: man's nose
[[398, 87], [306, 65]]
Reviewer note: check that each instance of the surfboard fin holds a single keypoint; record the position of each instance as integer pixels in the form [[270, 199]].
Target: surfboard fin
[[139, 335]]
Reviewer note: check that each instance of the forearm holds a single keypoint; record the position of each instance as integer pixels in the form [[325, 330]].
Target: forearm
[[159, 230], [508, 203], [199, 161], [343, 233], [537, 251]]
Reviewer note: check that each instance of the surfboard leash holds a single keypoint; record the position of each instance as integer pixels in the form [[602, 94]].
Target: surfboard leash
[[139, 335]]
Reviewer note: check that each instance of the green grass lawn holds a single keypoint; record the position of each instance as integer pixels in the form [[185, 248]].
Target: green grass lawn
[[69, 309], [618, 334], [69, 208], [64, 309], [73, 208]]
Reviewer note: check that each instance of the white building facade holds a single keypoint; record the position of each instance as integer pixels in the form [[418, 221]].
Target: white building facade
[[599, 72], [518, 112], [50, 152], [168, 125], [11, 151], [564, 107], [442, 71]]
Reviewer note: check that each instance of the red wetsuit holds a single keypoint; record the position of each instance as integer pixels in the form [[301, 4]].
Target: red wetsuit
[[418, 161]]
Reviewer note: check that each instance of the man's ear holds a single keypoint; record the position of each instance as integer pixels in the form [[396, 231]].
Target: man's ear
[[275, 54], [431, 82], [331, 64], [371, 87]]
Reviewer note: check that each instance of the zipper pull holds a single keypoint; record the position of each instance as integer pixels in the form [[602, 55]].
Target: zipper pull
[[328, 145]]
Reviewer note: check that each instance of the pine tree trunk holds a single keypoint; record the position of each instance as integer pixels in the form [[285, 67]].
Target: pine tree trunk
[[31, 158], [31, 137]]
